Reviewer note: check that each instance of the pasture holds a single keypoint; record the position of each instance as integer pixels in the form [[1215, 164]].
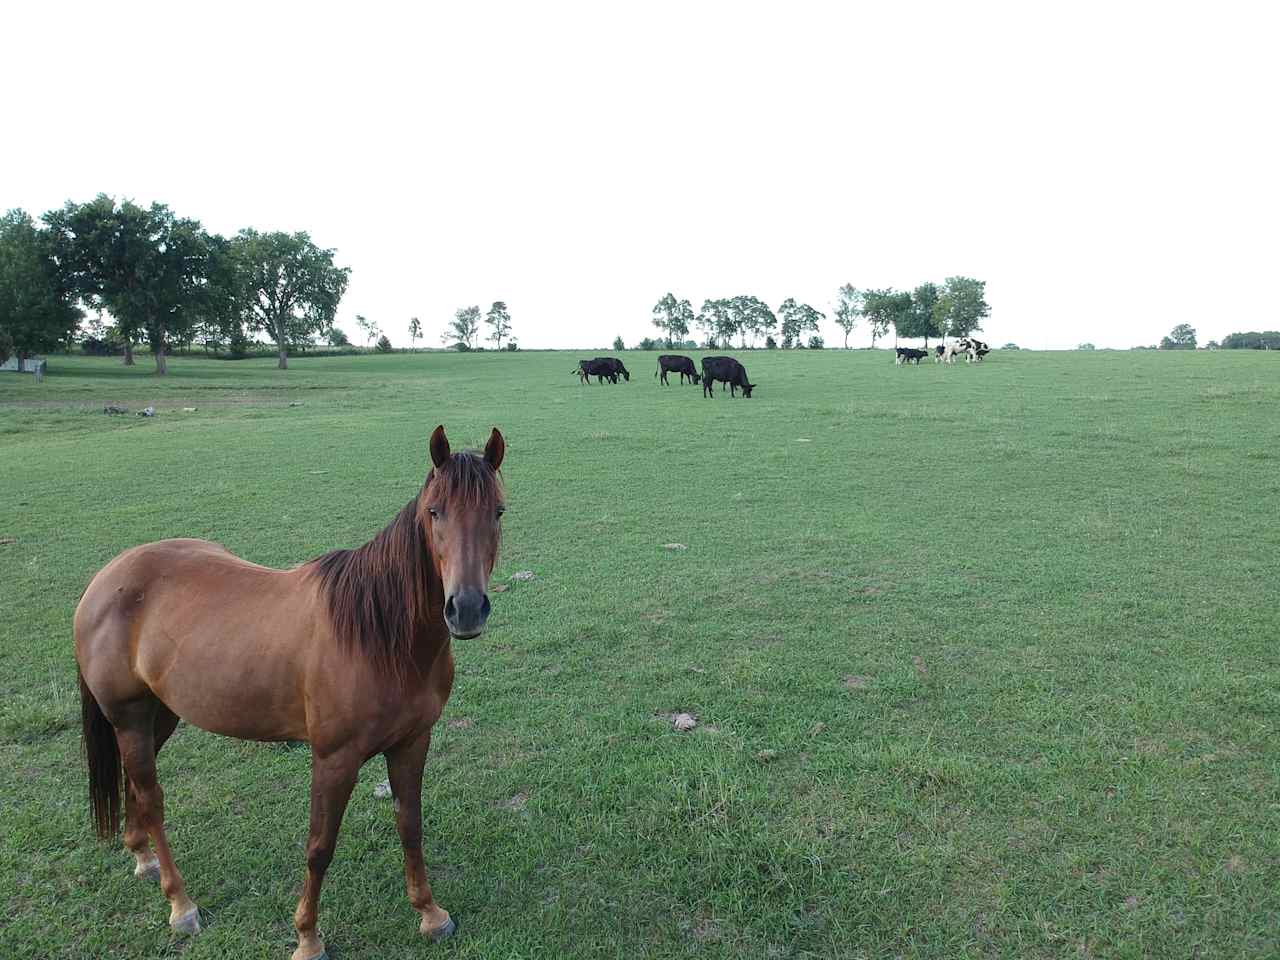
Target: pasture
[[984, 658]]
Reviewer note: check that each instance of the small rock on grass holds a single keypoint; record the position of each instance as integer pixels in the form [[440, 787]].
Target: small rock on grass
[[498, 588], [147, 412], [295, 403], [855, 682], [674, 546], [382, 790], [684, 721], [523, 575], [5, 541], [112, 409], [188, 409]]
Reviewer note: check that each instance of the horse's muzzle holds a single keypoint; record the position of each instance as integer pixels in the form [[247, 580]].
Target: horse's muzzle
[[465, 613]]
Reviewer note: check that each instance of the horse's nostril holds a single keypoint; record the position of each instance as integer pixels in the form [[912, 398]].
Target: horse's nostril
[[450, 609], [484, 606]]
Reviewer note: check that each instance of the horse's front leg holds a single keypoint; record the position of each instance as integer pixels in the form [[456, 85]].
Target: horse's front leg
[[404, 770], [332, 779]]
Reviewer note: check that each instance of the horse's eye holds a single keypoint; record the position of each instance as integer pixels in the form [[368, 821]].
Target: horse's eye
[[435, 514], [501, 511]]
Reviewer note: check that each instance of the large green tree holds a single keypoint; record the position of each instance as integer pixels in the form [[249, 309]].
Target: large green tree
[[290, 288], [499, 321], [795, 319], [848, 310], [146, 266], [673, 318], [883, 309], [923, 318], [963, 306], [37, 300], [716, 320]]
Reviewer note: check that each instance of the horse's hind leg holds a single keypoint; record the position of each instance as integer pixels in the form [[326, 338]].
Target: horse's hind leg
[[147, 866], [137, 734], [404, 770]]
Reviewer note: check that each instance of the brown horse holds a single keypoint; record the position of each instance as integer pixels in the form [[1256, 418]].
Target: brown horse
[[350, 652]]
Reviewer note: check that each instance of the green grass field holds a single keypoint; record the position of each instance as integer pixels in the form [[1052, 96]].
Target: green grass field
[[985, 658]]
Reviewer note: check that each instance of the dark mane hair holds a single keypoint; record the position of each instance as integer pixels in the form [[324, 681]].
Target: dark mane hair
[[380, 594]]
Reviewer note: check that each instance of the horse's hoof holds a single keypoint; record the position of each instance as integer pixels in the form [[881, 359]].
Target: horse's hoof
[[449, 928], [147, 870], [188, 923]]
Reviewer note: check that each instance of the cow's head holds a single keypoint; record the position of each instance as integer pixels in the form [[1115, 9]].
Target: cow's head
[[747, 388], [697, 377]]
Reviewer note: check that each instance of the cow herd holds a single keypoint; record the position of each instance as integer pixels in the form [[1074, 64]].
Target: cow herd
[[971, 347], [724, 369]]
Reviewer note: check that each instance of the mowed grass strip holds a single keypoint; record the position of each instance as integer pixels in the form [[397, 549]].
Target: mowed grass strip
[[983, 657]]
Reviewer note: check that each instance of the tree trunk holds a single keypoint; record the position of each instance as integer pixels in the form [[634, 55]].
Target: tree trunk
[[161, 367], [128, 352], [284, 358], [846, 339], [22, 364]]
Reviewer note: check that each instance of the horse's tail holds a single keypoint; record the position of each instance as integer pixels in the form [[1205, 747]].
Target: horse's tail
[[103, 756]]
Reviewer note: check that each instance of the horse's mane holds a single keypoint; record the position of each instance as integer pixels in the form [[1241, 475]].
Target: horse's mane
[[379, 595]]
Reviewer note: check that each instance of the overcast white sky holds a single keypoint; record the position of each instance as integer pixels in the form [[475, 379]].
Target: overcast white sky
[[1110, 169]]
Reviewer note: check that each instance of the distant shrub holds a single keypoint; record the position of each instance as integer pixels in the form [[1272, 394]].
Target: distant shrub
[[1011, 346], [461, 346], [512, 346], [337, 338], [93, 347], [815, 343], [1086, 346], [383, 345], [618, 344], [770, 343]]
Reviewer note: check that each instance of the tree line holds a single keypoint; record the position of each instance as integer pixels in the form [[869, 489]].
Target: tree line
[[955, 308], [163, 279]]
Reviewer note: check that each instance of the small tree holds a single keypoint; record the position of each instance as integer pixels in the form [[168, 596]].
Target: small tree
[[1010, 346], [816, 343], [369, 327], [384, 344], [796, 319], [673, 317], [618, 344], [415, 331], [337, 337], [962, 306], [848, 310], [770, 343], [499, 321], [1182, 337], [464, 327], [880, 308]]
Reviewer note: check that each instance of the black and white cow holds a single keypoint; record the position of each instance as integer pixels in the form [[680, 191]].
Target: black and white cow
[[910, 355], [729, 371], [673, 363]]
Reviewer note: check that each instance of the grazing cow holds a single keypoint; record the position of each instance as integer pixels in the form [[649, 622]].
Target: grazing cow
[[729, 371], [910, 355], [615, 367], [672, 363], [963, 345], [586, 369], [979, 348]]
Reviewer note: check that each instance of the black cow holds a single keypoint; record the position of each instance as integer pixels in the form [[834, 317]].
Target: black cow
[[672, 363], [910, 355], [615, 367], [586, 369], [728, 370]]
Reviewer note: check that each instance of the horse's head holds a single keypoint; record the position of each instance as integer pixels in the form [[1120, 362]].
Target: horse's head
[[460, 509]]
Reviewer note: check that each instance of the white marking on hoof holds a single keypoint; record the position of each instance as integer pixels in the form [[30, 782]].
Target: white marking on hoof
[[444, 932], [147, 869], [188, 923]]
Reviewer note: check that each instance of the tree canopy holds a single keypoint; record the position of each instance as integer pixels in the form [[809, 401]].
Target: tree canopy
[[848, 310], [499, 321], [673, 317], [463, 328], [795, 319], [37, 309], [963, 306], [1181, 337], [288, 287]]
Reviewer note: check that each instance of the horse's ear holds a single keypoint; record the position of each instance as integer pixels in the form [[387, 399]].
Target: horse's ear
[[439, 447], [494, 449]]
